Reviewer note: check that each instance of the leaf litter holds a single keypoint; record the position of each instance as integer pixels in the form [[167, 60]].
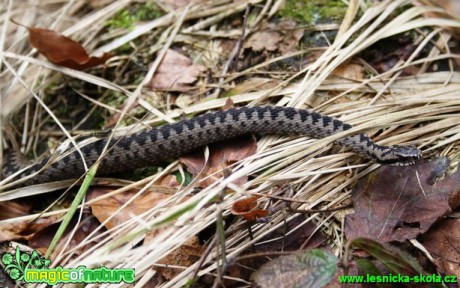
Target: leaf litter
[[426, 99], [400, 203]]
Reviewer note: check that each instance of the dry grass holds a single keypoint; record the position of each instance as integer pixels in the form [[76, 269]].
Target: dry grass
[[421, 110]]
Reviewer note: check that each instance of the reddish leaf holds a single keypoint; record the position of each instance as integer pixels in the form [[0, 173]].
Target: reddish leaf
[[399, 203], [62, 50], [247, 209], [222, 155]]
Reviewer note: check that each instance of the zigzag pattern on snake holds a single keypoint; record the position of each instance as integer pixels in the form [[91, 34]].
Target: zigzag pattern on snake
[[172, 140]]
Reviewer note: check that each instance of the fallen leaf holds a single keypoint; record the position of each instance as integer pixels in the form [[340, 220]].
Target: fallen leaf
[[282, 36], [185, 255], [314, 268], [263, 40], [18, 229], [247, 209], [398, 203], [443, 243], [105, 208], [13, 209], [176, 72], [222, 155], [349, 71], [42, 239], [62, 50]]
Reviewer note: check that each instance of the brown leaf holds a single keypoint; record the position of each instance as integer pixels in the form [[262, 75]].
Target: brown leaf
[[263, 40], [443, 243], [399, 203], [282, 36], [105, 208], [62, 50], [176, 72], [13, 209], [17, 229], [247, 209], [349, 71], [42, 239], [185, 255], [222, 155]]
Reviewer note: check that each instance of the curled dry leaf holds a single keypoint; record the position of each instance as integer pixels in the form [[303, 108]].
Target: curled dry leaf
[[176, 72], [247, 209], [399, 203], [62, 50]]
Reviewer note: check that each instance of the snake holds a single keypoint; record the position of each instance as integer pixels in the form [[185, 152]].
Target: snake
[[163, 143]]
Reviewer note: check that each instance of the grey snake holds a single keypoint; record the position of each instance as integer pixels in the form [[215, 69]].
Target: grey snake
[[172, 140]]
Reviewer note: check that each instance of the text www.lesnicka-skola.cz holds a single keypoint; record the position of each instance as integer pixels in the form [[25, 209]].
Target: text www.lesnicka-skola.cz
[[397, 278]]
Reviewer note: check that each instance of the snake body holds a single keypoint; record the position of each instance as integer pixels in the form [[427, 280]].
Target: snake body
[[172, 140]]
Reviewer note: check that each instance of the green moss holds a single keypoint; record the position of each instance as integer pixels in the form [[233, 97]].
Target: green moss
[[313, 12], [126, 18]]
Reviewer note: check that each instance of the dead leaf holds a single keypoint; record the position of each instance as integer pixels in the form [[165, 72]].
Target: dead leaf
[[185, 255], [282, 36], [222, 155], [13, 209], [263, 40], [247, 209], [105, 208], [17, 229], [399, 203], [349, 71], [62, 50], [443, 243], [176, 73], [42, 239], [314, 268]]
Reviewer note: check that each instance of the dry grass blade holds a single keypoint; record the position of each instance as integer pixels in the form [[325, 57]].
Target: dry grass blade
[[421, 110]]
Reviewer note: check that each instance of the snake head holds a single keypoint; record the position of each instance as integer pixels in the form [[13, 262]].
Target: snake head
[[400, 156]]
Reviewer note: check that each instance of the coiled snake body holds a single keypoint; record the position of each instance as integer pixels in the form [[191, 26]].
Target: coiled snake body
[[172, 140]]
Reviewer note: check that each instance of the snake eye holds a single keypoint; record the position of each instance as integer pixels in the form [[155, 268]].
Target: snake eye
[[400, 156]]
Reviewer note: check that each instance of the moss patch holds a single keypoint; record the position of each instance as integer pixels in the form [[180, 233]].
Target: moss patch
[[126, 18], [313, 12]]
